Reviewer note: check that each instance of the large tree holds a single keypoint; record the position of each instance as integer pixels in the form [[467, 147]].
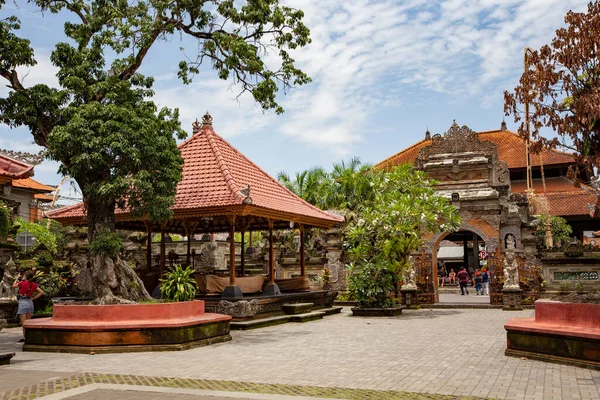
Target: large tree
[[100, 123], [561, 82]]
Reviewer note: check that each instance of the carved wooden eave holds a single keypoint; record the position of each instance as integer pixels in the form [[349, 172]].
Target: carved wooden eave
[[27, 158]]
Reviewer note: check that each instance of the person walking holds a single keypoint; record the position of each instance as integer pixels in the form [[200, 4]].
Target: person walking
[[463, 280], [28, 291], [485, 281]]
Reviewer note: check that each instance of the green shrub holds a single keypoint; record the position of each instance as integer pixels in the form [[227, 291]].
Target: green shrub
[[107, 244], [44, 259], [372, 285], [574, 250], [5, 223], [178, 284], [561, 230]]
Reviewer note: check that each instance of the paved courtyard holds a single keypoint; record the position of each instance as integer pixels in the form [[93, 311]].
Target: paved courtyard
[[458, 352]]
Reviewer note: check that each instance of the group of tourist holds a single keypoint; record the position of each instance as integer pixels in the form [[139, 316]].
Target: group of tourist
[[481, 280]]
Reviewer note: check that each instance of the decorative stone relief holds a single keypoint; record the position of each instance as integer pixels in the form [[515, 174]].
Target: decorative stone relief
[[206, 261], [410, 278], [511, 270], [238, 309], [501, 174], [27, 158], [513, 231], [7, 292]]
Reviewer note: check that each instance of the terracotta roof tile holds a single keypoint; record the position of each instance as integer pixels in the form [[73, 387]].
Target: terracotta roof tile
[[11, 168], [563, 198], [43, 197], [29, 183], [511, 149], [214, 172]]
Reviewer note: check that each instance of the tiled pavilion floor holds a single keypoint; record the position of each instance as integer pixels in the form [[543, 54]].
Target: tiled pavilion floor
[[454, 352]]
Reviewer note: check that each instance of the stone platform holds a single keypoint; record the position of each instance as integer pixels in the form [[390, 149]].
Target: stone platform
[[261, 306], [566, 333], [126, 328]]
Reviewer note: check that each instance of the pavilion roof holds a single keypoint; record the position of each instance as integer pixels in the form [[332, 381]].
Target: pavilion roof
[[511, 149], [219, 181], [13, 169], [564, 199], [32, 184]]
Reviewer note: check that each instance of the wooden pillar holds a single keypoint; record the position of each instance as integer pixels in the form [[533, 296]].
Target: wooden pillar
[[271, 255], [232, 253], [149, 247], [163, 256], [250, 240], [189, 250], [302, 255], [243, 255]]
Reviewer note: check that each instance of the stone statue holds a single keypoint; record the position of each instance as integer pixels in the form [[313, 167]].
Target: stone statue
[[548, 240], [207, 259], [10, 275], [410, 278], [511, 271], [510, 242]]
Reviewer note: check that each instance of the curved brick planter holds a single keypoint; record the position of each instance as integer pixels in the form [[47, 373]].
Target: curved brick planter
[[376, 312], [566, 333], [125, 328]]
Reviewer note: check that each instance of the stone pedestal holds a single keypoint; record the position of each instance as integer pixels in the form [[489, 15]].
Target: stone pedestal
[[8, 310], [410, 298], [511, 298], [271, 289], [232, 292]]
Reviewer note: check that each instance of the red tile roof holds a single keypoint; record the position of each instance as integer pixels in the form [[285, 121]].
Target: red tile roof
[[32, 184], [214, 173], [43, 197], [14, 169], [511, 148], [563, 198]]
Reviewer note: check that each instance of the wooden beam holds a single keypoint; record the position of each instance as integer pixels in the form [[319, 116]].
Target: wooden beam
[[163, 256], [302, 255], [232, 252], [271, 254], [149, 247], [243, 255]]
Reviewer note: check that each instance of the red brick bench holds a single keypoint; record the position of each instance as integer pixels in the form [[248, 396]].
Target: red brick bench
[[567, 333]]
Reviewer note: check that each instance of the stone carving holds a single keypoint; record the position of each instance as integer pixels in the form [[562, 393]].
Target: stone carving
[[207, 119], [501, 175], [27, 158], [510, 241], [10, 275], [238, 309], [207, 259], [410, 278], [511, 270], [457, 140]]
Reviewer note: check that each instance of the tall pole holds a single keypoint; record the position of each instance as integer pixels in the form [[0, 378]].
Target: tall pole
[[527, 129]]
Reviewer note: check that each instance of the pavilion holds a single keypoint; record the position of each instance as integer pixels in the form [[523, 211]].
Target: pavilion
[[221, 191]]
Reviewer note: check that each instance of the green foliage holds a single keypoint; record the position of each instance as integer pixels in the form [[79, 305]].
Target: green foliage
[[372, 285], [580, 287], [44, 259], [58, 280], [174, 237], [43, 236], [347, 186], [107, 244], [574, 250], [389, 228], [178, 284], [561, 230], [5, 220]]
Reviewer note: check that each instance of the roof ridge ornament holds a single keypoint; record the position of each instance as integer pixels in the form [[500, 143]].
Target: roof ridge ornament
[[207, 119], [196, 126], [27, 158]]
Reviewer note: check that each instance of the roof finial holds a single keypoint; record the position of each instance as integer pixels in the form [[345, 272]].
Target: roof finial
[[196, 126], [427, 134], [503, 125], [207, 119]]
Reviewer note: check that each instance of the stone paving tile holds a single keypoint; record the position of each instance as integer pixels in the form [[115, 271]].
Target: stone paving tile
[[452, 352], [111, 394]]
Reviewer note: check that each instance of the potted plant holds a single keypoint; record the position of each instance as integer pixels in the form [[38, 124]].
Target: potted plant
[[404, 206]]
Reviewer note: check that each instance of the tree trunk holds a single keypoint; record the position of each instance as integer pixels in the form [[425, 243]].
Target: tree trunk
[[113, 280]]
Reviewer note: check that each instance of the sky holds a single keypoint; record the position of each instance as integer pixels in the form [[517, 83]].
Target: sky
[[383, 73]]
